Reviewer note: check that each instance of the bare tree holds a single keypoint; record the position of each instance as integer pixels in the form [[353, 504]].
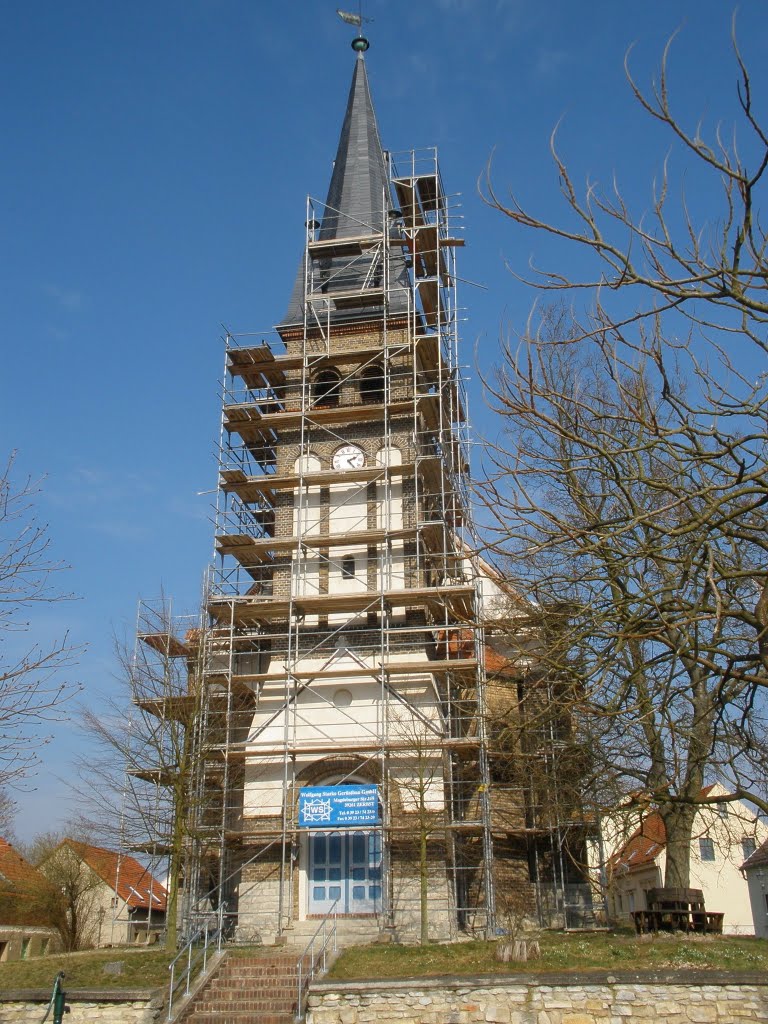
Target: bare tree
[[421, 784], [139, 773], [617, 517], [70, 901], [630, 491], [713, 270], [7, 815], [32, 690]]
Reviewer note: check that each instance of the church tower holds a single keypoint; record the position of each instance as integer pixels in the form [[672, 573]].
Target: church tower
[[342, 763]]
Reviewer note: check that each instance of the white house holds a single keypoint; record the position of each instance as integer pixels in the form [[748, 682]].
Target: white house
[[725, 834], [755, 870]]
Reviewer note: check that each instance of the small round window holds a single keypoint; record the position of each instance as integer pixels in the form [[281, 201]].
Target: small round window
[[342, 699]]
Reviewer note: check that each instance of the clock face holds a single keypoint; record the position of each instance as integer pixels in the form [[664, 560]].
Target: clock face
[[348, 457]]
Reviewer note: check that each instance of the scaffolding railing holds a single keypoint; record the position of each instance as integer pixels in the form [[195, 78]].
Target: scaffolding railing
[[313, 563], [344, 639]]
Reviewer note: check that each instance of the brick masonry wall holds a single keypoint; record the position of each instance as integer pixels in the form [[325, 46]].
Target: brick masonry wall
[[706, 998], [85, 1008]]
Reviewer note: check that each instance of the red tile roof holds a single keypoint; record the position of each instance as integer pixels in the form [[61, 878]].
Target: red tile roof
[[130, 880], [21, 890], [646, 843], [15, 871], [642, 847], [499, 664]]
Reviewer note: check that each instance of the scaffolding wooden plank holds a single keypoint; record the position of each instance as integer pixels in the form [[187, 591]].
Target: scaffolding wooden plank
[[428, 293], [243, 752], [429, 191], [248, 421], [456, 599], [167, 644], [348, 296], [354, 246], [156, 849], [426, 247], [158, 776], [282, 363], [250, 487], [235, 544], [406, 198], [180, 708]]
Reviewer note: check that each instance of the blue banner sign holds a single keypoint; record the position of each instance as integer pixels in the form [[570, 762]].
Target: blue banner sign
[[338, 806]]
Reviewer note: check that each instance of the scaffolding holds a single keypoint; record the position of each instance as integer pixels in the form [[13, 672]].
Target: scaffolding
[[345, 639]]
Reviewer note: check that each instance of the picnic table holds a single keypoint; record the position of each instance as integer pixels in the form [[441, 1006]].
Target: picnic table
[[673, 910]]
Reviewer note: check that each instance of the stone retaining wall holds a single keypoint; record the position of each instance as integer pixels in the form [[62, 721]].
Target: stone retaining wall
[[127, 1007], [585, 998]]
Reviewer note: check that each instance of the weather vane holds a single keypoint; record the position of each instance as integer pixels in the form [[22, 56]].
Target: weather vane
[[359, 43]]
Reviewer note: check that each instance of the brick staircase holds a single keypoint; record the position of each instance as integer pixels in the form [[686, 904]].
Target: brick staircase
[[254, 989]]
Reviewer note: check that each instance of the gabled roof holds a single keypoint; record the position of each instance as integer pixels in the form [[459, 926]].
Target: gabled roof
[[22, 889], [15, 872], [358, 204], [643, 846], [130, 880], [646, 843], [758, 858]]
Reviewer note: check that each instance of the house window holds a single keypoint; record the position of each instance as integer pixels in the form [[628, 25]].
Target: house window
[[348, 567], [748, 847], [707, 848], [24, 949], [372, 385], [722, 810], [325, 389]]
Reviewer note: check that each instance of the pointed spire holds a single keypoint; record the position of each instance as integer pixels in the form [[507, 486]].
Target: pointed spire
[[358, 204], [359, 179]]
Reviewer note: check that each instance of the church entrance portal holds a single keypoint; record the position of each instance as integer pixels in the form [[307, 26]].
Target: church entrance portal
[[345, 869]]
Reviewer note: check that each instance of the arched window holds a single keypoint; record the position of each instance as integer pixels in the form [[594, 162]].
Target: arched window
[[372, 385], [325, 389]]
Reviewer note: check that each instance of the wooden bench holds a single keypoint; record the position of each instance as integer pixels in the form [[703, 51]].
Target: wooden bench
[[673, 910]]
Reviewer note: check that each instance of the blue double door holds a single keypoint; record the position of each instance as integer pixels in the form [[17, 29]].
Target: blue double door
[[345, 871]]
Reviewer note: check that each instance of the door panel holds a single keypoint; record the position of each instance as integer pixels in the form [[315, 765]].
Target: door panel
[[345, 869]]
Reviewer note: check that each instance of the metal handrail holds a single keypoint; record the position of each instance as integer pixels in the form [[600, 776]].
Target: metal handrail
[[209, 938], [305, 977]]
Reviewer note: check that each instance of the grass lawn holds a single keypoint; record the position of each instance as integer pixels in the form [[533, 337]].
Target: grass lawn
[[559, 952], [146, 968]]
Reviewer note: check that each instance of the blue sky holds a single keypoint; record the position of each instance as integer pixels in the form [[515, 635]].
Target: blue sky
[[156, 161]]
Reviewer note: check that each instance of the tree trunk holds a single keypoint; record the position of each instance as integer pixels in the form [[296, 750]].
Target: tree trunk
[[519, 950], [678, 822], [423, 876], [171, 910]]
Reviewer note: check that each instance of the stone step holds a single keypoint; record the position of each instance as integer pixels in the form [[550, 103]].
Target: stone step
[[247, 1004], [244, 972], [249, 990], [281, 983], [246, 1017]]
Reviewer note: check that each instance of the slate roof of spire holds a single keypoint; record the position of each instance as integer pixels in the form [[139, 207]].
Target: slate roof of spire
[[357, 204]]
